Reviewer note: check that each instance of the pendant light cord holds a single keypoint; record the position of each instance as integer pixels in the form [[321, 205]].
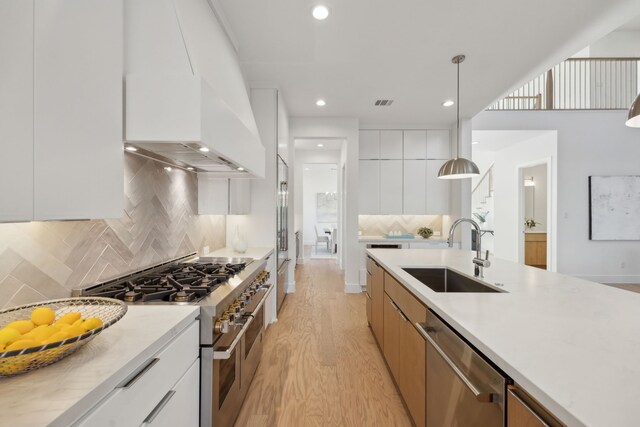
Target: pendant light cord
[[458, 112]]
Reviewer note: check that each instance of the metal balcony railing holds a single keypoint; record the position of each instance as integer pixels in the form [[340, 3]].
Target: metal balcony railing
[[579, 84]]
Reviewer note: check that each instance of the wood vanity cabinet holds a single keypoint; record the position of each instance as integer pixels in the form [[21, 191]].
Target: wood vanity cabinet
[[524, 411], [535, 250]]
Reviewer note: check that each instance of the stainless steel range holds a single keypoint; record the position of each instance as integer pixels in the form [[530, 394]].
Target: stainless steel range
[[231, 293]]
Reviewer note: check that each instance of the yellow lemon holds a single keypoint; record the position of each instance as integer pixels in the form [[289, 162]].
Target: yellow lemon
[[42, 332], [61, 326], [8, 335], [21, 344], [68, 318], [78, 322], [22, 326], [91, 323], [58, 336], [43, 316], [75, 330]]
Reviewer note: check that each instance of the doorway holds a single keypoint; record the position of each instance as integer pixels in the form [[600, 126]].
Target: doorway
[[535, 213], [320, 198]]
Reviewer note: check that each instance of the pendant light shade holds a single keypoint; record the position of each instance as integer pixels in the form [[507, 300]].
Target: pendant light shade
[[634, 114], [458, 168]]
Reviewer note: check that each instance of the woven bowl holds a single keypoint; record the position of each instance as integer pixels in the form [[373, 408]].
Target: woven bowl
[[20, 361]]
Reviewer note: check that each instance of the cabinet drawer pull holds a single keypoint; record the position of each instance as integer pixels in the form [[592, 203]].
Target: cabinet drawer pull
[[393, 304], [152, 416], [402, 315], [523, 403], [140, 373]]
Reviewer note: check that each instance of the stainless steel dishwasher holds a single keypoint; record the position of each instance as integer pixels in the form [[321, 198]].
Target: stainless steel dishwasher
[[462, 388]]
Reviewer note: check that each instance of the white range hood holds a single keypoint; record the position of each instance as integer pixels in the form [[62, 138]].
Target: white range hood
[[184, 89]]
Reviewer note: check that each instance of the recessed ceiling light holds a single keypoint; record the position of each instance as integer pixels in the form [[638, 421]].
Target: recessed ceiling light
[[320, 145], [168, 168], [204, 149], [240, 168], [448, 103], [321, 103], [189, 168], [320, 12], [131, 148], [474, 142]]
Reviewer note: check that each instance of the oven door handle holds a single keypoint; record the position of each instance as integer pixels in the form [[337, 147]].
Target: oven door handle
[[226, 354]]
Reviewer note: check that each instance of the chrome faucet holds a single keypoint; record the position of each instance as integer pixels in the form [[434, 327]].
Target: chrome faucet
[[478, 261]]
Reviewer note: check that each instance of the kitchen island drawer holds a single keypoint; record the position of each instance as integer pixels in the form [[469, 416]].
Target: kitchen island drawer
[[135, 398], [408, 304]]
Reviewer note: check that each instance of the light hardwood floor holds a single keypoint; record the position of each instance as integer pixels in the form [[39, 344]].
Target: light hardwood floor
[[321, 366]]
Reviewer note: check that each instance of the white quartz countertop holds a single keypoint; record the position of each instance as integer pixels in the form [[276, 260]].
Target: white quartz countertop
[[434, 239], [59, 394], [255, 253], [574, 345]]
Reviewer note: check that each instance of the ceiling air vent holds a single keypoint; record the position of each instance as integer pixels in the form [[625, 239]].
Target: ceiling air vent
[[383, 102]]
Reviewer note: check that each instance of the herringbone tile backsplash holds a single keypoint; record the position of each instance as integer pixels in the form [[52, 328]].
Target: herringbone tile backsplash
[[378, 225], [46, 260]]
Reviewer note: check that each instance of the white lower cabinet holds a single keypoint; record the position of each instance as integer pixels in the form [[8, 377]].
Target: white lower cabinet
[[181, 405], [148, 391]]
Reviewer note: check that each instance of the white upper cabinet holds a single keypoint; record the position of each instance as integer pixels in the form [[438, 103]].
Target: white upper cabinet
[[16, 110], [438, 190], [369, 144], [369, 188], [61, 109], [390, 187], [415, 144], [222, 196], [415, 187], [438, 144], [405, 178], [78, 157], [391, 144]]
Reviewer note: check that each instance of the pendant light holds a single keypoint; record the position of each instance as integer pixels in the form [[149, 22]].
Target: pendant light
[[633, 120], [458, 167]]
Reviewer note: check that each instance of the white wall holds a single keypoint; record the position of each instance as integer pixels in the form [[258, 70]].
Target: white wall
[[318, 179], [507, 217], [589, 143], [347, 129], [617, 44]]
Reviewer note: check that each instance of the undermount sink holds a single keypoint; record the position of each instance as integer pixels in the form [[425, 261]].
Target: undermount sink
[[445, 280]]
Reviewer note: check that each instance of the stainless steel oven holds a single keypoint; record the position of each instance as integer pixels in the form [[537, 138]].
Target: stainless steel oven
[[233, 358]]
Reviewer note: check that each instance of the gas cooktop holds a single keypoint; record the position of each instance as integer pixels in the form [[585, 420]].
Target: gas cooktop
[[178, 282]]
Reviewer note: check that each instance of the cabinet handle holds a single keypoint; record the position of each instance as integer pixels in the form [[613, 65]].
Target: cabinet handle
[[396, 308], [393, 304], [152, 416], [402, 315], [136, 377], [523, 403]]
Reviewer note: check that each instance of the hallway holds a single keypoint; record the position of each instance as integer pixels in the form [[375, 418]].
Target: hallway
[[321, 366]]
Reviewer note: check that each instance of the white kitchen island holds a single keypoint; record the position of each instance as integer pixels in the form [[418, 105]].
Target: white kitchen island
[[574, 345]]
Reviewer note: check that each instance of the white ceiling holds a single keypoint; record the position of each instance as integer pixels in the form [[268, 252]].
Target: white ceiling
[[402, 50], [312, 144], [631, 25]]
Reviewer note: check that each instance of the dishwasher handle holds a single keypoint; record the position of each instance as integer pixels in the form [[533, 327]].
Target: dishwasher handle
[[484, 397]]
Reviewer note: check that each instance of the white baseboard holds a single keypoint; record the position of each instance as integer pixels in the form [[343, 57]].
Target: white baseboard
[[300, 261], [352, 288], [629, 279], [291, 288]]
